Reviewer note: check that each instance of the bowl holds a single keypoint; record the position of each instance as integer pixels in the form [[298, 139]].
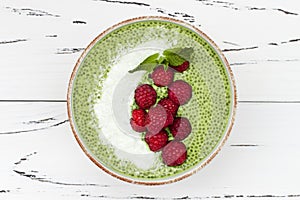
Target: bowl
[[101, 97]]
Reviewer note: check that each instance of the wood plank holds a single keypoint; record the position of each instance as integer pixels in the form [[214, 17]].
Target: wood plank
[[259, 161], [36, 63], [29, 117]]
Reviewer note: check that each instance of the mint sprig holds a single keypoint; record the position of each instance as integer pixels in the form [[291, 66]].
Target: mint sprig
[[173, 57], [148, 64], [184, 53], [177, 56]]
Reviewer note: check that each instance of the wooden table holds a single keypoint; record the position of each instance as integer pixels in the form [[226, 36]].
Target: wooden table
[[40, 41]]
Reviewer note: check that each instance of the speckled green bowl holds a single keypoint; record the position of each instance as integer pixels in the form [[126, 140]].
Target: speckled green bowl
[[100, 96]]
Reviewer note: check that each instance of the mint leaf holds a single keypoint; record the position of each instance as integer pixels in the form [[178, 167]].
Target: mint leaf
[[182, 52], [173, 58], [148, 64], [177, 56], [162, 60]]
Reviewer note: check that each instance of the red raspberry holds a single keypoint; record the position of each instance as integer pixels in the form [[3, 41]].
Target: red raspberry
[[145, 96], [180, 92], [156, 141], [181, 128], [181, 68], [162, 77], [158, 118], [174, 153], [169, 105], [136, 127], [138, 120]]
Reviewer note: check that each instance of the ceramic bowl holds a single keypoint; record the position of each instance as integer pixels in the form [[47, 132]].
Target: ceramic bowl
[[101, 98]]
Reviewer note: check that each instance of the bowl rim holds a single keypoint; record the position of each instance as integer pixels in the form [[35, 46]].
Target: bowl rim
[[231, 117]]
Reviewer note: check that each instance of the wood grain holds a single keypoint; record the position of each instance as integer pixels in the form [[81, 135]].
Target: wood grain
[[254, 45], [40, 43], [258, 161]]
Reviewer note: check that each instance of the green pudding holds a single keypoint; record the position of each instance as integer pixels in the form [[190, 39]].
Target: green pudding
[[102, 98]]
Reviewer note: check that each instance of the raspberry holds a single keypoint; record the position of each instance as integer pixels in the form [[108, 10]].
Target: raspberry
[[162, 77], [145, 96], [158, 118], [180, 128], [169, 120], [174, 153], [169, 105], [156, 141], [136, 127], [180, 92], [138, 120], [181, 68]]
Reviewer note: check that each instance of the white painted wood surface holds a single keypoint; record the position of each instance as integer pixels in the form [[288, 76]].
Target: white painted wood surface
[[39, 45]]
